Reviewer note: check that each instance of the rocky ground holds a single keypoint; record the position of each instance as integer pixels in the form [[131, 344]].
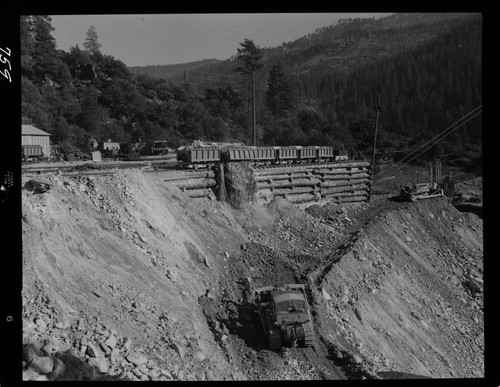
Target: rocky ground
[[126, 278]]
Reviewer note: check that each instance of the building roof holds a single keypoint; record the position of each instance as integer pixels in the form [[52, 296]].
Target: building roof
[[30, 130]]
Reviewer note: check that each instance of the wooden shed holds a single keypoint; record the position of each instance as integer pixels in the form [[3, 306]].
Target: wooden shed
[[31, 135]]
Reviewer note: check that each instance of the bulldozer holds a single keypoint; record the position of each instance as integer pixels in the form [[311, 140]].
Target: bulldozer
[[410, 193], [285, 315]]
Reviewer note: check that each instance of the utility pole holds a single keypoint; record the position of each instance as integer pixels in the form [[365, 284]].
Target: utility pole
[[253, 110], [377, 109]]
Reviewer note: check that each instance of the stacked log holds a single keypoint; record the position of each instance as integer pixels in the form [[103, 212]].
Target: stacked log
[[345, 189], [345, 182], [303, 198], [186, 175], [200, 193], [340, 182], [295, 183], [194, 184], [288, 183], [269, 193]]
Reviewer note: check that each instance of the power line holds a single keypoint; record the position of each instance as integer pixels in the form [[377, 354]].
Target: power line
[[435, 137], [475, 112], [419, 154]]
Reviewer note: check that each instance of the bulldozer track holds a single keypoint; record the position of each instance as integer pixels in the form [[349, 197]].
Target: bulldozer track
[[308, 335]]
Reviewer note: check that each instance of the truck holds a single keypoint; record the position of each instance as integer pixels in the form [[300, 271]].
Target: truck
[[285, 315]]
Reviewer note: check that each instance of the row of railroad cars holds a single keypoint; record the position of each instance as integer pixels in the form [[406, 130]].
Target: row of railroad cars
[[261, 155]]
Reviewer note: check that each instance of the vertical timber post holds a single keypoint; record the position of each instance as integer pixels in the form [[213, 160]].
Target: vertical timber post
[[221, 184], [253, 111], [377, 108], [431, 173]]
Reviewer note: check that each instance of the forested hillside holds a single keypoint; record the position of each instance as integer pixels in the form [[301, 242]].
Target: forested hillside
[[84, 92], [317, 90]]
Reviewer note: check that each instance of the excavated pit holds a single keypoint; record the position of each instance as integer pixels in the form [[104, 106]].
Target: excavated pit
[[127, 277]]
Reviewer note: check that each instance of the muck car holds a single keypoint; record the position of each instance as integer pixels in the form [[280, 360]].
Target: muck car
[[270, 155]]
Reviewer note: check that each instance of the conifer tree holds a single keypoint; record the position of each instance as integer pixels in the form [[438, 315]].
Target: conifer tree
[[44, 47], [279, 92], [250, 56], [91, 43]]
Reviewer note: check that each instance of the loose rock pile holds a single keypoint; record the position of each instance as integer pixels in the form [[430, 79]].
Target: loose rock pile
[[54, 349]]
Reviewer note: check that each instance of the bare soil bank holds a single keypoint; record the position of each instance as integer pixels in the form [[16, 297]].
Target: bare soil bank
[[125, 277]]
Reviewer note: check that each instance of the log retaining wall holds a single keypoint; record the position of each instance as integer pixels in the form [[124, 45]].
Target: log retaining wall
[[344, 182]]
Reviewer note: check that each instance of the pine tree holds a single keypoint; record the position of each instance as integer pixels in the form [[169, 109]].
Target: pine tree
[[26, 34], [27, 42], [250, 57], [91, 43], [279, 92], [44, 48]]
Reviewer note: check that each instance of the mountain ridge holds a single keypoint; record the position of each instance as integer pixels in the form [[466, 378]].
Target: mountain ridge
[[349, 43]]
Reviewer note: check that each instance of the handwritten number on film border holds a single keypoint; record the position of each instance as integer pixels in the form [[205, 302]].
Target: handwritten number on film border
[[6, 72]]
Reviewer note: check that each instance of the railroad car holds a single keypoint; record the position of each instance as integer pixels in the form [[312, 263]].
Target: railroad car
[[197, 156], [258, 154], [239, 154], [31, 152], [308, 154], [286, 154], [326, 153]]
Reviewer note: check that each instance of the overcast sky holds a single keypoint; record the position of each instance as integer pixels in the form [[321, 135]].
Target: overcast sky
[[140, 40]]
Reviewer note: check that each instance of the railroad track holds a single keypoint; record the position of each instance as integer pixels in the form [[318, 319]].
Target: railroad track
[[101, 168], [167, 166]]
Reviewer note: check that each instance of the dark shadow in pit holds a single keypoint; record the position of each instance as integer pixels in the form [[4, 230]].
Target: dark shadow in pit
[[475, 209], [246, 325]]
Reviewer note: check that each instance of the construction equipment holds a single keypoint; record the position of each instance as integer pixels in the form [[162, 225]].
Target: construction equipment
[[285, 315], [410, 193]]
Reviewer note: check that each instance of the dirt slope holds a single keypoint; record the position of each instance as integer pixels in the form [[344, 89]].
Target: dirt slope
[[115, 256], [400, 295], [125, 277]]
